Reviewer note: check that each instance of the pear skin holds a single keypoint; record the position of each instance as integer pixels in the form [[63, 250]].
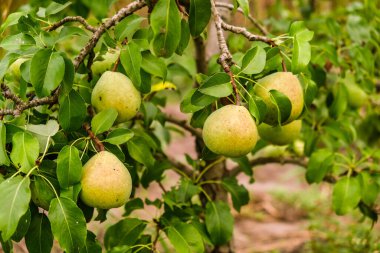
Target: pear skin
[[230, 131], [106, 182], [286, 83], [280, 135], [115, 90]]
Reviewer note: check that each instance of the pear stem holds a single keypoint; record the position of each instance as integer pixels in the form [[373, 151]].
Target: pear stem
[[98, 144]]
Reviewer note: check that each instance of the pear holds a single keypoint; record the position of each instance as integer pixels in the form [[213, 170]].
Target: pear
[[115, 90], [280, 135], [356, 96], [106, 182], [230, 131], [109, 58], [286, 83]]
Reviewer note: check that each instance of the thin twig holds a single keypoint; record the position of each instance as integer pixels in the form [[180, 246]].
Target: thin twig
[[99, 145], [72, 19], [301, 161], [183, 124], [254, 21], [121, 14], [250, 36]]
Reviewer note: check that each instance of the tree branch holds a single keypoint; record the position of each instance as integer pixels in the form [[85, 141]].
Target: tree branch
[[121, 14], [72, 19], [99, 145], [225, 58], [301, 161], [183, 124], [261, 28], [21, 105], [250, 36]]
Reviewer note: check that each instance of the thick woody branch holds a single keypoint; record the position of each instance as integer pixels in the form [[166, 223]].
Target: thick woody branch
[[72, 19], [20, 105], [250, 36], [225, 58], [121, 14], [256, 23]]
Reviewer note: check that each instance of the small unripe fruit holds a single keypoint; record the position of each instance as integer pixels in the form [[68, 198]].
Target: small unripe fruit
[[280, 135], [106, 182], [286, 83], [230, 131], [115, 90]]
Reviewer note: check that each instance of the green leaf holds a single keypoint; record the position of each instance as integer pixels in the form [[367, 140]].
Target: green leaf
[[68, 78], [244, 5], [339, 104], [92, 245], [43, 132], [133, 204], [128, 26], [244, 164], [39, 238], [186, 191], [68, 224], [199, 117], [153, 65], [320, 163], [72, 111], [131, 58], [19, 41], [103, 121], [186, 105], [68, 32], [22, 227], [14, 203], [346, 195], [140, 151], [4, 160], [219, 222], [24, 151], [185, 238], [239, 193], [69, 167], [370, 189], [257, 108], [165, 21], [185, 37], [54, 8], [46, 71], [254, 61], [6, 246], [217, 85], [119, 136], [199, 16], [283, 105], [301, 55], [5, 62], [299, 29], [125, 232], [12, 19]]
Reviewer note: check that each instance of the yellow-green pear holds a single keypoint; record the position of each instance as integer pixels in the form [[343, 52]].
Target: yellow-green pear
[[106, 182], [286, 83], [280, 135], [230, 131], [109, 58], [356, 96], [115, 90]]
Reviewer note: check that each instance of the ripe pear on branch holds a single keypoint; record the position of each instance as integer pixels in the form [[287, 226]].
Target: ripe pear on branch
[[115, 90], [280, 135], [286, 83], [106, 182], [230, 131]]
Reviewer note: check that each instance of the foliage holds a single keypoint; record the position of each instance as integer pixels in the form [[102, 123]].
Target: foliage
[[49, 129]]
